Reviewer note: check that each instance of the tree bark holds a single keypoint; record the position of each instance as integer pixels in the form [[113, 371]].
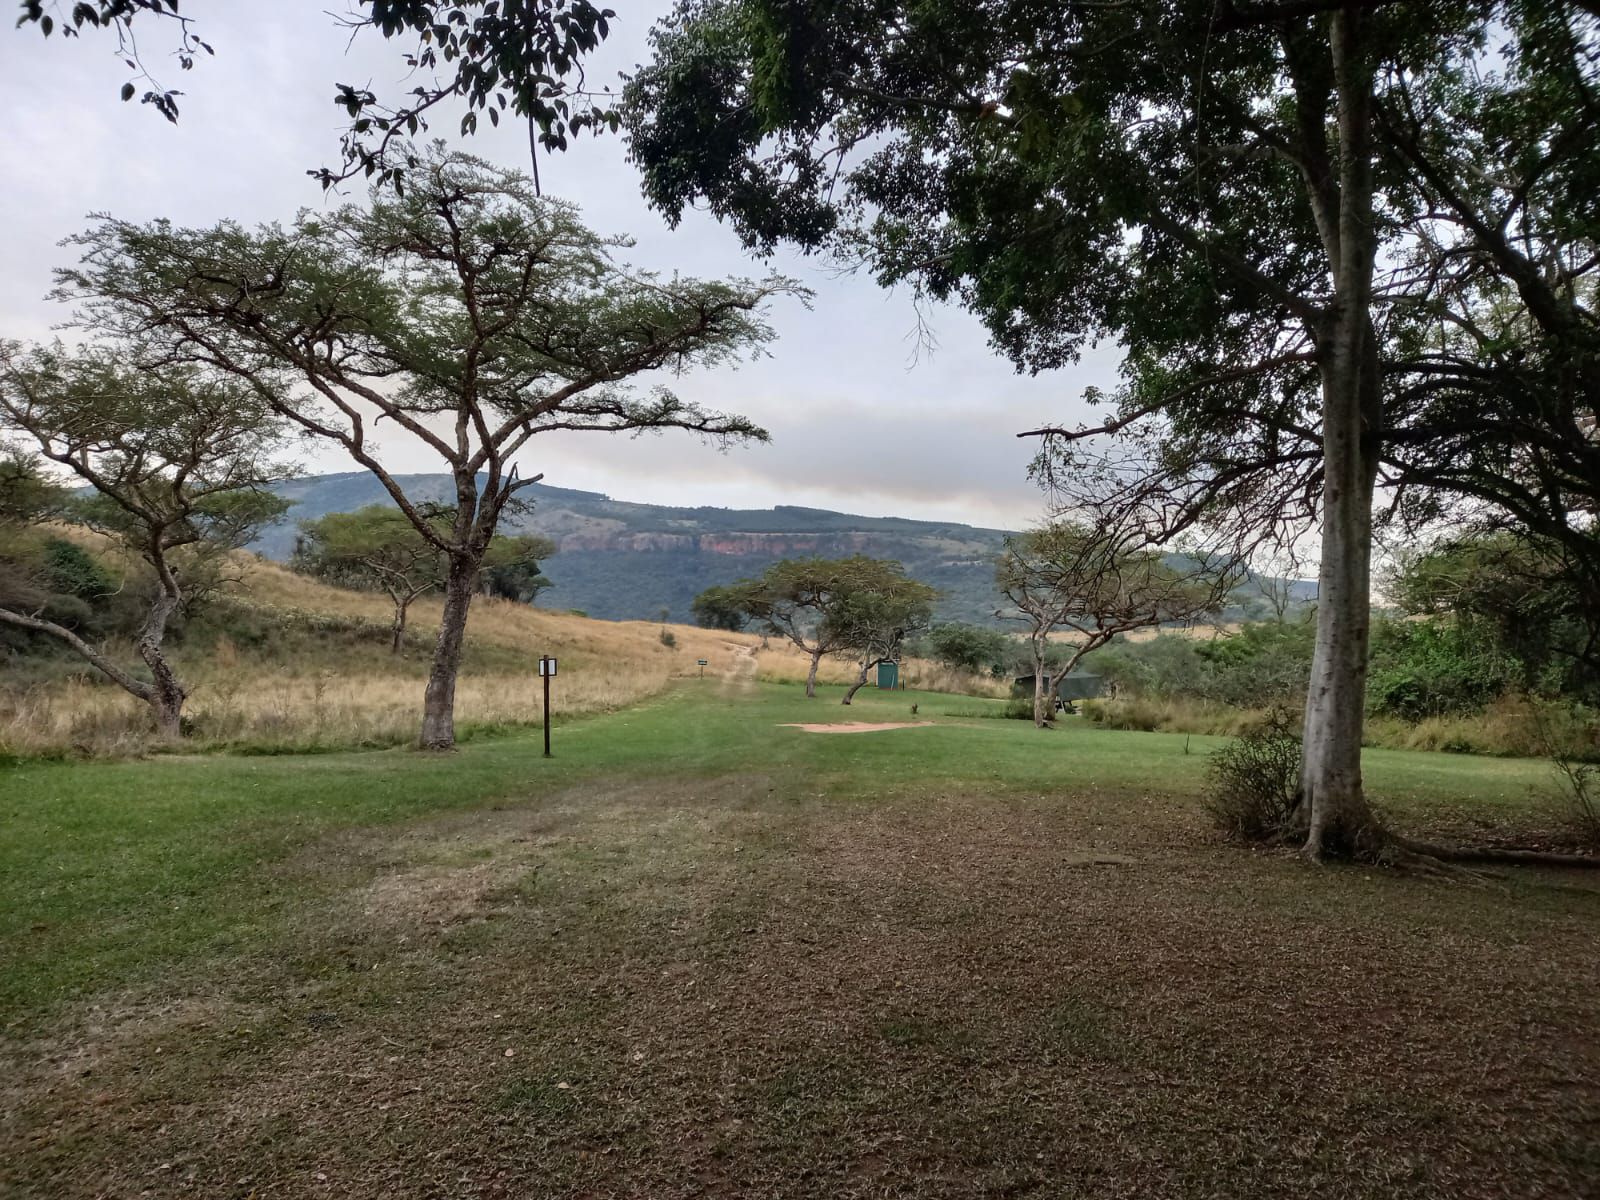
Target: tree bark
[[398, 629], [134, 687], [1041, 710], [439, 702], [1332, 805], [861, 680], [811, 675], [164, 694]]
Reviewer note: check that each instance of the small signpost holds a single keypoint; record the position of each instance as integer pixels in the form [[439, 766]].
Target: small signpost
[[702, 663], [547, 672]]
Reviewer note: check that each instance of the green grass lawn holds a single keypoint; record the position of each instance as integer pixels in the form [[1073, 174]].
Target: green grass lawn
[[964, 959]]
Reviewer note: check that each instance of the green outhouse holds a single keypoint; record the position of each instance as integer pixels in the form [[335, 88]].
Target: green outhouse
[[889, 675]]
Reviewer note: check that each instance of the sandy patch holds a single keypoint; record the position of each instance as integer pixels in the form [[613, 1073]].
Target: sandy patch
[[855, 726]]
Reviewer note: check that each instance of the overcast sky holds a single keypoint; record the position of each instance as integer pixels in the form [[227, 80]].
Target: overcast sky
[[860, 420]]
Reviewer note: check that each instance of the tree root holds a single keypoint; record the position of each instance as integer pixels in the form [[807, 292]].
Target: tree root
[[1493, 856], [1379, 846]]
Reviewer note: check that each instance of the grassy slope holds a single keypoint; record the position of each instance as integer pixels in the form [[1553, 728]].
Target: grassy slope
[[771, 962], [282, 663]]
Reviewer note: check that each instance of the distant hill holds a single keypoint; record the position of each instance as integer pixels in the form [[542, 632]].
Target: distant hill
[[622, 561]]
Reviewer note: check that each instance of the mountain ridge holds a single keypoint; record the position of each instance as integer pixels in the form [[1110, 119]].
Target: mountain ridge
[[621, 560]]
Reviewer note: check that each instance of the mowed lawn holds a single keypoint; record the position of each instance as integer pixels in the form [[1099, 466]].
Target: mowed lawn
[[701, 954]]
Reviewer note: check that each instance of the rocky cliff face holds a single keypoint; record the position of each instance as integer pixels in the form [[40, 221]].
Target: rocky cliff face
[[774, 545], [623, 560]]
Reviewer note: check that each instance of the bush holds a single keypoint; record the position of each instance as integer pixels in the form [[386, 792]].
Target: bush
[[1020, 708], [76, 572], [1265, 663], [1577, 794], [669, 639], [1253, 781], [970, 648], [1423, 669], [1572, 757]]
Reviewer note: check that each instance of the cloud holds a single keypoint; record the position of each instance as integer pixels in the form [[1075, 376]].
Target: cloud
[[945, 466]]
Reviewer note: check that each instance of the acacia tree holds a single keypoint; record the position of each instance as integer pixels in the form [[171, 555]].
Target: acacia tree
[[876, 621], [1065, 576], [180, 461], [377, 548], [511, 567], [1216, 184], [467, 315], [828, 606], [975, 648]]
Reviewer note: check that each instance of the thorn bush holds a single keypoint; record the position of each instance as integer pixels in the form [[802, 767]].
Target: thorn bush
[[1253, 781]]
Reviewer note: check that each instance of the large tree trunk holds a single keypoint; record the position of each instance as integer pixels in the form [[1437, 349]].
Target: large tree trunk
[[439, 702], [398, 629], [811, 675], [1333, 806], [165, 694], [1041, 690], [861, 680]]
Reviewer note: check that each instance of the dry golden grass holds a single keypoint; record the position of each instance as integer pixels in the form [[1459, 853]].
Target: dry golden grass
[[315, 672], [1201, 633]]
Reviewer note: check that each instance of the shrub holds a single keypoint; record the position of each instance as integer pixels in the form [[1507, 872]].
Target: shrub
[[971, 648], [669, 639], [1576, 791], [1020, 708], [1253, 781], [1578, 798], [1265, 663], [76, 572], [1423, 669]]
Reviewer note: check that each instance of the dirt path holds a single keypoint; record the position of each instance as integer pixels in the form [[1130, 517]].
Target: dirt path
[[740, 675]]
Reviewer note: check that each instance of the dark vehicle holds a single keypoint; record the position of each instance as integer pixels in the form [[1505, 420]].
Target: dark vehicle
[[1076, 686]]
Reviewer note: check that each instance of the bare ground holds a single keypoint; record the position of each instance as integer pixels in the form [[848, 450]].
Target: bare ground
[[733, 988]]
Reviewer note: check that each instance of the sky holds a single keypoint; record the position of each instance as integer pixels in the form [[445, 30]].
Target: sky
[[862, 419]]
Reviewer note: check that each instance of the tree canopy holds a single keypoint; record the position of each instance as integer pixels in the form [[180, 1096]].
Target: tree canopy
[[1068, 577], [180, 461], [859, 606], [467, 315], [494, 57], [974, 648], [1514, 598], [1340, 243], [511, 566], [722, 607]]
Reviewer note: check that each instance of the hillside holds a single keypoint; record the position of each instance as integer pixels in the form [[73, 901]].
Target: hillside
[[279, 662], [624, 561]]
